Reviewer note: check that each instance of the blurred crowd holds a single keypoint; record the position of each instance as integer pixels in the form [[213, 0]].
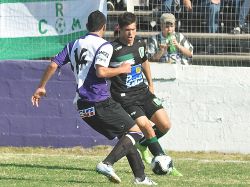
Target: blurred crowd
[[212, 16]]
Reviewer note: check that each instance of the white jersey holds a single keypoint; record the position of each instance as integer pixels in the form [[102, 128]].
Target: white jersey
[[84, 54]]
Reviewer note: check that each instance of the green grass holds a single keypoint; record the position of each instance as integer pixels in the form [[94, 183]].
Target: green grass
[[76, 167]]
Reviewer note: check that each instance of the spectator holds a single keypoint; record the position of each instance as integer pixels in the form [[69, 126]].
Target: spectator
[[242, 10], [213, 9], [116, 5], [167, 5], [159, 46]]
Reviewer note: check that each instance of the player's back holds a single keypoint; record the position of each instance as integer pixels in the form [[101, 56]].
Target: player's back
[[84, 54], [84, 50]]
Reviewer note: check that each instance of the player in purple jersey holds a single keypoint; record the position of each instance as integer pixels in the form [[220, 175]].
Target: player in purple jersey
[[89, 58], [135, 96]]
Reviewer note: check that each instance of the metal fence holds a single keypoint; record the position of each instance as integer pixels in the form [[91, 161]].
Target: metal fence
[[226, 42]]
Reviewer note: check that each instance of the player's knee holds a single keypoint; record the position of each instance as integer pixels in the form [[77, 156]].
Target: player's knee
[[135, 128], [146, 125], [167, 127], [164, 128]]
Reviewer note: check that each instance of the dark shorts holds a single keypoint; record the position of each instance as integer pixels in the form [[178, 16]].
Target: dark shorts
[[147, 107], [106, 117]]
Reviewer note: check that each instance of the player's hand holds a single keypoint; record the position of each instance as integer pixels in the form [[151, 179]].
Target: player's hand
[[126, 67], [35, 99]]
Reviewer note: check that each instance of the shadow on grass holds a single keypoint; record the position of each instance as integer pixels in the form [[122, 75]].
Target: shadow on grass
[[50, 180], [44, 167], [57, 180]]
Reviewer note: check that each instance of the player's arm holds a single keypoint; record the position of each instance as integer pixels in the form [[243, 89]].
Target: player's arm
[[185, 51], [102, 63], [160, 52], [59, 60], [106, 72], [147, 73], [41, 90]]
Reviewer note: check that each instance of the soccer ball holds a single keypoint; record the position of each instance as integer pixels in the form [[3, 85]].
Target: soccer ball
[[162, 164], [60, 25]]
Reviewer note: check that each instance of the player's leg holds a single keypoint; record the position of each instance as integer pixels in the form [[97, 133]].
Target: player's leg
[[157, 114], [109, 119], [125, 147], [137, 167], [162, 122], [137, 113], [115, 122], [121, 149], [159, 117], [151, 141]]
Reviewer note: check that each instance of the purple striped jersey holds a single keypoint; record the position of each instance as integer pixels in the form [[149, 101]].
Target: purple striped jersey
[[84, 54]]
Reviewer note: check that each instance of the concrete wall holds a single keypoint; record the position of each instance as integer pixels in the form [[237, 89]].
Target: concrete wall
[[209, 108], [54, 123]]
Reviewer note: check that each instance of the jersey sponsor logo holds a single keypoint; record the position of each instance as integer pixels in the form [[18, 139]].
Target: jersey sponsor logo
[[87, 112], [141, 51], [101, 59], [135, 77], [103, 53]]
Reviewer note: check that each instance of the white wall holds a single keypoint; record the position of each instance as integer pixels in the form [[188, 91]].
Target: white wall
[[209, 107]]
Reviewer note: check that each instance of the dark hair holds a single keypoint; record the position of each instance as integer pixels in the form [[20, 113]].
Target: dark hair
[[126, 18], [96, 20]]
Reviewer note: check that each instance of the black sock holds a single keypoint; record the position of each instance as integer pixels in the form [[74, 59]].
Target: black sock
[[158, 134], [122, 147], [136, 163], [155, 147]]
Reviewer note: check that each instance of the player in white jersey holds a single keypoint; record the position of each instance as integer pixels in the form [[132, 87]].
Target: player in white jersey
[[89, 57]]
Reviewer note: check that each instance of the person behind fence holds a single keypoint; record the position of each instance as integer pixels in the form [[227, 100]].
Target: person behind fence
[[169, 46], [213, 9], [242, 10], [175, 5], [89, 62], [212, 12]]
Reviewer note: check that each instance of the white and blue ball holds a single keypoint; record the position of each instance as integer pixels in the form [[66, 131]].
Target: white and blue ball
[[162, 164]]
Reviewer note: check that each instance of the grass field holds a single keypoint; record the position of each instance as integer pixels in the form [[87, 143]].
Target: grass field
[[76, 167]]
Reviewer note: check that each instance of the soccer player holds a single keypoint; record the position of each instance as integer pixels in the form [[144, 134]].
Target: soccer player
[[135, 96], [89, 57]]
